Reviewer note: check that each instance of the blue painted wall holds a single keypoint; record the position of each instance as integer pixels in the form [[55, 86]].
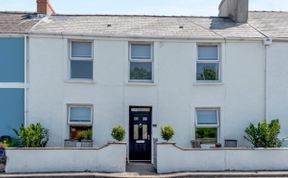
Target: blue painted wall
[[11, 60], [11, 110]]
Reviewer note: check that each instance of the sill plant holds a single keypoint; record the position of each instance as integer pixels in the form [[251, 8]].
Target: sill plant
[[264, 134], [167, 132], [84, 135], [118, 133], [33, 136]]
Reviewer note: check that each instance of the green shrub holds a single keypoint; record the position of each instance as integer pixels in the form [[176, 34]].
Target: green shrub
[[167, 132], [118, 133], [264, 134], [32, 136], [84, 135]]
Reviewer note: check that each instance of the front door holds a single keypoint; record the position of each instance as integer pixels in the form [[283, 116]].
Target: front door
[[140, 134]]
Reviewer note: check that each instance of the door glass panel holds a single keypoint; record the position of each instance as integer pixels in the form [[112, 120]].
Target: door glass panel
[[136, 132], [140, 109], [145, 118], [136, 118], [145, 132]]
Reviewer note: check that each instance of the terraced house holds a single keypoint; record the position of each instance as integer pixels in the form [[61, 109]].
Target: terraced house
[[197, 74]]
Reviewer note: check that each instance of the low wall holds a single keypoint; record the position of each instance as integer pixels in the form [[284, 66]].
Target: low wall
[[171, 158], [110, 158]]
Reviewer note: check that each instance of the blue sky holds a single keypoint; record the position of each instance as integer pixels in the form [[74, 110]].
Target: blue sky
[[151, 7]]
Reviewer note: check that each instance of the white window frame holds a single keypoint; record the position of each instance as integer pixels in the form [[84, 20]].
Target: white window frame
[[71, 123], [209, 61], [71, 58], [140, 60]]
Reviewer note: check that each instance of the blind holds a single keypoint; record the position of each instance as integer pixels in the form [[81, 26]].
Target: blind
[[80, 114], [141, 51], [207, 117], [207, 52], [81, 49]]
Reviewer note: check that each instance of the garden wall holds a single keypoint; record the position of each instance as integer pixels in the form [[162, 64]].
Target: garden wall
[[110, 158], [171, 158]]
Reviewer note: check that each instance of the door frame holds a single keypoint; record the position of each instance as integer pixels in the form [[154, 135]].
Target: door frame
[[151, 134]]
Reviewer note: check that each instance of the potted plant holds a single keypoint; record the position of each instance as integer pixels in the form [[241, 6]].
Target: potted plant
[[3, 157], [85, 137], [35, 135], [264, 134], [118, 133], [82, 139], [167, 132]]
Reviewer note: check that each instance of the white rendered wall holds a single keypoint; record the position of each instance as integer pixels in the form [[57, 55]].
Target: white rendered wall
[[108, 159], [173, 97], [173, 159], [278, 84]]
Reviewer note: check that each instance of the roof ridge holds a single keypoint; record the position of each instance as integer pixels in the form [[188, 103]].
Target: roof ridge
[[269, 11]]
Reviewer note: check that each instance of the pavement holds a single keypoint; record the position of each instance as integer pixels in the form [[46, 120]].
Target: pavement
[[144, 170]]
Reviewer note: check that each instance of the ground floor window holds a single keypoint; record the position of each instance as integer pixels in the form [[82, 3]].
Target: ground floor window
[[80, 119], [207, 125]]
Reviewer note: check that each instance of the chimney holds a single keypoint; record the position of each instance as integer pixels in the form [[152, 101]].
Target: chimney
[[237, 10], [44, 7]]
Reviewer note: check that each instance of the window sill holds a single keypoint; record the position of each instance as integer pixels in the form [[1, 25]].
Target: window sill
[[132, 83], [79, 81], [207, 83]]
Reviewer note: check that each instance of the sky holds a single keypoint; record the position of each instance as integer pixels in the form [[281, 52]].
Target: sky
[[139, 7]]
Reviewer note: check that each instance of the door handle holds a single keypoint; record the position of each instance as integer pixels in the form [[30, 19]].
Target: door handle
[[148, 137]]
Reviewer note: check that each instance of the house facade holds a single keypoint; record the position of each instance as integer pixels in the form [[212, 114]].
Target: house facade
[[207, 77]]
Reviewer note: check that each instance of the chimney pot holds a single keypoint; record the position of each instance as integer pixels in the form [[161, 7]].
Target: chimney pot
[[44, 7]]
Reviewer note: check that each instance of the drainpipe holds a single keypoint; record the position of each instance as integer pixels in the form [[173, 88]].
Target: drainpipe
[[267, 43], [25, 79]]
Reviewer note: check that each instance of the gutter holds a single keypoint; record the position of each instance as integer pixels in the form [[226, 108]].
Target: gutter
[[94, 35]]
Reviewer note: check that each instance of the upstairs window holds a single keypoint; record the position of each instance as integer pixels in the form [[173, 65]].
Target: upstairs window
[[207, 125], [208, 63], [81, 60], [141, 63]]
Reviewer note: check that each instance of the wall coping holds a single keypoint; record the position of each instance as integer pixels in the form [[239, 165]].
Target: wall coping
[[222, 148], [67, 148]]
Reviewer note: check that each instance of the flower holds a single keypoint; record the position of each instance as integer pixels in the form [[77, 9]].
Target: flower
[[2, 145]]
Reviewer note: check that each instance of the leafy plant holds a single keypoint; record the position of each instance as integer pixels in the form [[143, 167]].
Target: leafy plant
[[167, 132], [32, 136], [118, 133], [84, 135], [208, 74], [264, 134]]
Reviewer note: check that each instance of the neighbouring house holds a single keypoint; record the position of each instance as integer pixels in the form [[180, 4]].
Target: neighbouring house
[[200, 75]]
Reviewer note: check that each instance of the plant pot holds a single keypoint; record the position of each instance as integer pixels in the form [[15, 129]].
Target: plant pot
[[78, 144], [86, 143], [218, 145]]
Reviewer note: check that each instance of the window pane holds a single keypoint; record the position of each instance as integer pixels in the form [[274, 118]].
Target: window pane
[[207, 71], [81, 69], [206, 117], [208, 53], [80, 114], [140, 70], [140, 51], [206, 135], [136, 132], [81, 49]]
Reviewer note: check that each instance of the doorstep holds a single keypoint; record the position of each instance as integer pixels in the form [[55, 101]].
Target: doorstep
[[136, 175]]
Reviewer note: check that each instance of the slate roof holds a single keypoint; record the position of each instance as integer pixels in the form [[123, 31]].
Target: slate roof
[[274, 24], [16, 22], [147, 26]]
